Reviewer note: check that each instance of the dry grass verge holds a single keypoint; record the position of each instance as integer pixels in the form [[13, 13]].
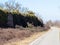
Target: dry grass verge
[[26, 41], [12, 36]]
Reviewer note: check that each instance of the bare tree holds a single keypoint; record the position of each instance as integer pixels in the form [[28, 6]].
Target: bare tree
[[12, 5]]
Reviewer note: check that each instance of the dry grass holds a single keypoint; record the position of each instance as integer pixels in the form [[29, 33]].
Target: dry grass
[[17, 36], [26, 41]]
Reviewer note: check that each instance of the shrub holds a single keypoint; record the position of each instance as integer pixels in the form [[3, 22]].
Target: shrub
[[3, 18], [20, 19]]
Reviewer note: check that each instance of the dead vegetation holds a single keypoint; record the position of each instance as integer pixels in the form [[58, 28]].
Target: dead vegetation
[[12, 34]]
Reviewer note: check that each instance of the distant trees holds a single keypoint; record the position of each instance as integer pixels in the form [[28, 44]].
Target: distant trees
[[49, 23], [53, 23]]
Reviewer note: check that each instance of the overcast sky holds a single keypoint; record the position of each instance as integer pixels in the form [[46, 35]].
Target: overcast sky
[[48, 9]]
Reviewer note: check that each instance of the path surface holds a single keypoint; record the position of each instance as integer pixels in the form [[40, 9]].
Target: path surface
[[50, 38]]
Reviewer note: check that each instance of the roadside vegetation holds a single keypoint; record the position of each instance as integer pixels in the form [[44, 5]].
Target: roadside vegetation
[[25, 23]]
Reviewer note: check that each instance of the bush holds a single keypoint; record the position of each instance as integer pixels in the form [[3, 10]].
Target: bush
[[3, 18], [34, 21], [20, 19]]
